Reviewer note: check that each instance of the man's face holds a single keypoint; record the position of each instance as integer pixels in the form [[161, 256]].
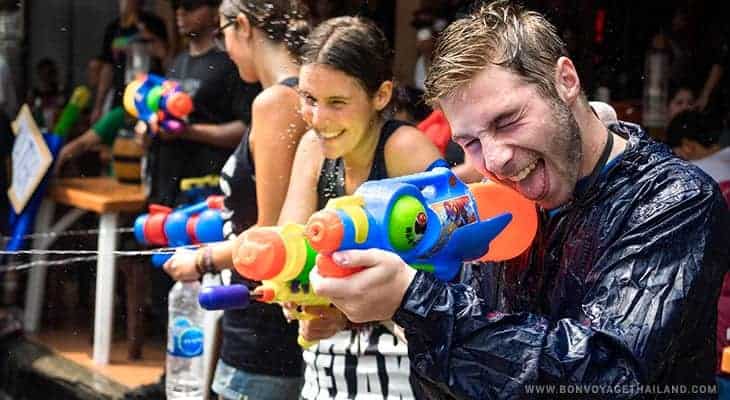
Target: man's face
[[513, 134], [194, 19]]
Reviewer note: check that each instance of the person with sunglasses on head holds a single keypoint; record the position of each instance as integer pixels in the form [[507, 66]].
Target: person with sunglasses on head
[[221, 114], [346, 89], [260, 357]]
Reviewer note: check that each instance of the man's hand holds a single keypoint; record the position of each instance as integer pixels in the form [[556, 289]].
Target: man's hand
[[181, 267], [327, 323], [96, 113], [373, 294]]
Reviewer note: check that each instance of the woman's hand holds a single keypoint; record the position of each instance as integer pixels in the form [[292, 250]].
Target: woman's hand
[[327, 322], [182, 266]]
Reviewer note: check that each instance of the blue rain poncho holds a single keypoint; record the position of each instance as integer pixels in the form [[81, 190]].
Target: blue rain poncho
[[618, 291]]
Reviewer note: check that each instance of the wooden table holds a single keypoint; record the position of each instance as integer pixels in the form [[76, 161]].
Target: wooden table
[[106, 197]]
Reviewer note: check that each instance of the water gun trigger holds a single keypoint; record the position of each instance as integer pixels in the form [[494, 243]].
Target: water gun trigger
[[304, 343], [302, 315]]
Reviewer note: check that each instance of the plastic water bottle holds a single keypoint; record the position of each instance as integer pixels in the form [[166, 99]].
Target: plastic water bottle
[[185, 343]]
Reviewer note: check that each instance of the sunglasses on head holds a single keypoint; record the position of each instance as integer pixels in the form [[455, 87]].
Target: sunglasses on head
[[219, 37]]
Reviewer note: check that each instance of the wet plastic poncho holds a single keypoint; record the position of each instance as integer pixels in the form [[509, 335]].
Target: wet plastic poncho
[[618, 291]]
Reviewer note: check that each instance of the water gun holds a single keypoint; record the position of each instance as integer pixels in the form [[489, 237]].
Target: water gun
[[432, 220], [159, 102], [279, 257], [79, 100], [184, 226], [282, 257]]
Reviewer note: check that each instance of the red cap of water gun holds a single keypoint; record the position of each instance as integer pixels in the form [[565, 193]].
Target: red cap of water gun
[[179, 104], [190, 228], [215, 202], [154, 226], [265, 295], [325, 231], [261, 255]]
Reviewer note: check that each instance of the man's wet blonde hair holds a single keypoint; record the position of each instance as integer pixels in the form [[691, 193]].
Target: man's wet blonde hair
[[499, 33]]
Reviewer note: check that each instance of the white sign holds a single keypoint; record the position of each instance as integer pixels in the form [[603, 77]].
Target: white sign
[[31, 159]]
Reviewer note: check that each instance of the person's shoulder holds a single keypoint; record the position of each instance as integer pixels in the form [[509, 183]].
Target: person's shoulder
[[404, 136], [276, 99], [672, 172], [667, 185], [406, 139]]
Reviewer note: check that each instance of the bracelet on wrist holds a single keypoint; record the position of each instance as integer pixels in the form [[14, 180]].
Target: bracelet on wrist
[[204, 261]]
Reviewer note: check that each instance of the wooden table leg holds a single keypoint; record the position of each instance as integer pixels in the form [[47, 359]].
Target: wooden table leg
[[105, 269], [136, 278]]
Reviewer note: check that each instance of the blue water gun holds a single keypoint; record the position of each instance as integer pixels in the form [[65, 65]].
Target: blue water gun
[[184, 226], [159, 102], [432, 220]]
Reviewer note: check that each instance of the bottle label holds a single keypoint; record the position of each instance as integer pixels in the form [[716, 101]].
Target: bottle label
[[186, 340]]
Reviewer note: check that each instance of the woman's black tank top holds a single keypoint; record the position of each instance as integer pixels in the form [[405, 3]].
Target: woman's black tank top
[[332, 177]]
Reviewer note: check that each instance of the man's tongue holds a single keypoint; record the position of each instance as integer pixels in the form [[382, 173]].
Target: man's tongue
[[534, 185]]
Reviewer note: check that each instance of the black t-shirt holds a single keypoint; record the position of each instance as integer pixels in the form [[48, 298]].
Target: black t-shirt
[[219, 96], [116, 42]]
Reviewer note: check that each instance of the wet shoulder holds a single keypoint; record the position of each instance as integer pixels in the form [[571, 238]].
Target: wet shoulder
[[276, 99], [656, 182]]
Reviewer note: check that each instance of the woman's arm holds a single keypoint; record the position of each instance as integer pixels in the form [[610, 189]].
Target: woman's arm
[[301, 197], [275, 131], [276, 127]]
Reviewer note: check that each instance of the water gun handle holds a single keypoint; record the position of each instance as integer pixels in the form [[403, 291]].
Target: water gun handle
[[304, 343], [303, 316], [159, 259]]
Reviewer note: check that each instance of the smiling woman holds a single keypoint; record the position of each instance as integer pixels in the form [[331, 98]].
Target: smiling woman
[[345, 87]]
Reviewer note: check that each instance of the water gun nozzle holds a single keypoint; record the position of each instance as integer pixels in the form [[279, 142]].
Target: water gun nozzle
[[261, 256], [264, 294], [325, 231]]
